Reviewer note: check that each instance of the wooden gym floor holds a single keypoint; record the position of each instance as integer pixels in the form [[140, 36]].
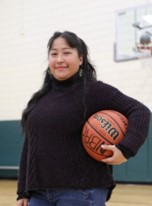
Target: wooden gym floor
[[123, 195]]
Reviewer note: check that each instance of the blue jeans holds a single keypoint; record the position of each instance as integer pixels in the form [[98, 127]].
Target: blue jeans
[[89, 197]]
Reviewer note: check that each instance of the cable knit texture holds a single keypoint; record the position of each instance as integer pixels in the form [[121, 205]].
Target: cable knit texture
[[53, 155]]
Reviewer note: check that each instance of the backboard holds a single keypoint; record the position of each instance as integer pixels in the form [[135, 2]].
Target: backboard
[[133, 38]]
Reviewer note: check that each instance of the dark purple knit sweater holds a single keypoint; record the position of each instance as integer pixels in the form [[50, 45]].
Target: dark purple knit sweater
[[53, 155]]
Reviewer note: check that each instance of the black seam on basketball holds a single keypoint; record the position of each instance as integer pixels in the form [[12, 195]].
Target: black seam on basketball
[[103, 155], [95, 151], [98, 132], [114, 121], [90, 147]]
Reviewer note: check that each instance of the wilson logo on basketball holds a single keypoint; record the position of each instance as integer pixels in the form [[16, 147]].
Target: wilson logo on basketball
[[104, 127], [107, 126]]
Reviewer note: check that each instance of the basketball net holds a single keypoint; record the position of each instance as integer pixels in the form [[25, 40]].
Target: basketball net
[[144, 54]]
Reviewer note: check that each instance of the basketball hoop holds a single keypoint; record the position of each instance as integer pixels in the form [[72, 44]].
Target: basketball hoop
[[144, 54], [144, 50]]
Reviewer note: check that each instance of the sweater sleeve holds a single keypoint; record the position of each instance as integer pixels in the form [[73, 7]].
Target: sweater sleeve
[[21, 192], [138, 123], [103, 96]]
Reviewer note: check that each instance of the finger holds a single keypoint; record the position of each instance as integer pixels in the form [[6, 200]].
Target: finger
[[108, 147]]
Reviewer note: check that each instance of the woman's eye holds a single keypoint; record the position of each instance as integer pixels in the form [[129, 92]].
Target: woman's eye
[[67, 52], [53, 54]]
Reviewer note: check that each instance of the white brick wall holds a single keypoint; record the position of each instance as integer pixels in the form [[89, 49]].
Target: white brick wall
[[26, 26]]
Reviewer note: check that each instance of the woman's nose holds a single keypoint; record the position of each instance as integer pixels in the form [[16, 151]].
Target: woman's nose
[[59, 58]]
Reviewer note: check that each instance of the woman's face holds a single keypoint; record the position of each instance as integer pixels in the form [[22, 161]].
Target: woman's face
[[64, 61]]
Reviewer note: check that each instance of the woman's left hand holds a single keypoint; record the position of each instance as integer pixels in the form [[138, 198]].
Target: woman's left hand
[[117, 158]]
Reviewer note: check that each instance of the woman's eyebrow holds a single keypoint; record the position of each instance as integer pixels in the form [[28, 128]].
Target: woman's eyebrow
[[55, 49]]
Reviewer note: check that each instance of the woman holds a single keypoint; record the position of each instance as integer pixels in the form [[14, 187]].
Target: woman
[[55, 170]]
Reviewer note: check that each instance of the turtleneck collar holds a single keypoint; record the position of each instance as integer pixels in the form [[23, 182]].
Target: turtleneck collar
[[58, 84]]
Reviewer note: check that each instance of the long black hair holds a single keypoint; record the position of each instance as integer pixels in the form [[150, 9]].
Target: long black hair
[[88, 69]]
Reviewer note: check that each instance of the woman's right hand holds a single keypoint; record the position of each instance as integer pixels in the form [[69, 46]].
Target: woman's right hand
[[22, 202]]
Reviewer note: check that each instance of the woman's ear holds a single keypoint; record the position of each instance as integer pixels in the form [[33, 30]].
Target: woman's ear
[[81, 60]]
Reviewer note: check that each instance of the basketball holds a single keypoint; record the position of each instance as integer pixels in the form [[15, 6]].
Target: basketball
[[104, 127]]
